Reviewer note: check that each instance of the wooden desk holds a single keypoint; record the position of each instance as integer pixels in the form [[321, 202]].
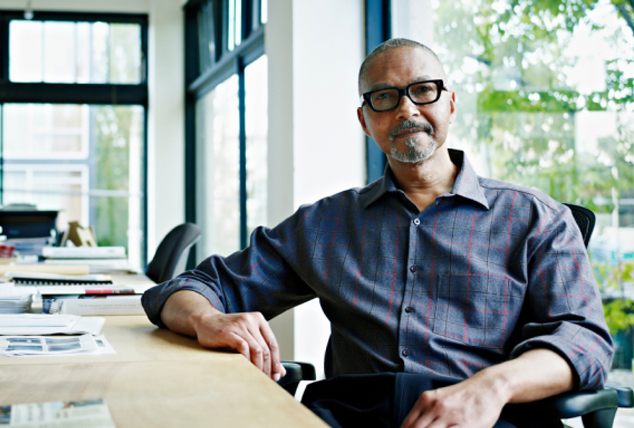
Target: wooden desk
[[157, 379]]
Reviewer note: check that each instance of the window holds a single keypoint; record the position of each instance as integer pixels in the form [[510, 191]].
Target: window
[[73, 100], [546, 99], [226, 119]]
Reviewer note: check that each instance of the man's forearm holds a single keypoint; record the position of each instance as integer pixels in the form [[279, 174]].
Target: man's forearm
[[478, 401], [179, 308], [534, 375]]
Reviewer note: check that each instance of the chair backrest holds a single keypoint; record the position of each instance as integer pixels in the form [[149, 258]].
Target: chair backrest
[[585, 220], [171, 254]]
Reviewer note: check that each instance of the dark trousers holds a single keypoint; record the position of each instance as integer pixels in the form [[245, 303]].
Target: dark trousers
[[384, 400]]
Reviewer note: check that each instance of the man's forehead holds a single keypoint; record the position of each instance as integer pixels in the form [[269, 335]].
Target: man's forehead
[[405, 64]]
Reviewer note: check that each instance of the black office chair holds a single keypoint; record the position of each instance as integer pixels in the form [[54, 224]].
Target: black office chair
[[597, 409], [171, 254]]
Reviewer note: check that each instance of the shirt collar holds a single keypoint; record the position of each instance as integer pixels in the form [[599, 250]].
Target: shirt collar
[[466, 185]]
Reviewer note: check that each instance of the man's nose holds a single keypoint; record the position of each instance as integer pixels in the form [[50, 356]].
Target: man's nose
[[406, 108]]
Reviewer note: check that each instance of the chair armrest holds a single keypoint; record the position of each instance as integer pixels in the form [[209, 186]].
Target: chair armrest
[[625, 395], [596, 408], [296, 371]]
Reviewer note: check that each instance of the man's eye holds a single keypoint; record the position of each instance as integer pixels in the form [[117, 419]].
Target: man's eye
[[422, 89], [382, 96]]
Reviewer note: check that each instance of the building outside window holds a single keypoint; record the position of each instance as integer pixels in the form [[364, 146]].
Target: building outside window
[[73, 110]]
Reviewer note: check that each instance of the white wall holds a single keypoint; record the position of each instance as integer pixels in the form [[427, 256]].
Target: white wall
[[316, 146], [166, 101]]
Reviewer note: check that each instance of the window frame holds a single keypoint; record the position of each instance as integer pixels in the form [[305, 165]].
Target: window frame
[[200, 80], [79, 93]]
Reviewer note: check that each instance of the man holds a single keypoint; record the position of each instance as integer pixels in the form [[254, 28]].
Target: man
[[480, 289]]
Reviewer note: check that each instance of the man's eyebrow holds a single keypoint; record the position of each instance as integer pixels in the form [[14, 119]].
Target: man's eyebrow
[[378, 86]]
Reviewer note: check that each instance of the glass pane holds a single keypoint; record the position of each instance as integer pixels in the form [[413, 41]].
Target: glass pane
[[84, 30], [49, 187], [546, 104], [238, 20], [100, 52], [125, 53], [86, 161], [256, 101], [25, 51], [59, 52], [263, 11], [46, 131], [206, 41], [231, 40], [218, 181], [74, 52]]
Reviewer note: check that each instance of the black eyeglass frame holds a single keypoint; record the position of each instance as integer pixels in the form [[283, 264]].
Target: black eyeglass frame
[[367, 97]]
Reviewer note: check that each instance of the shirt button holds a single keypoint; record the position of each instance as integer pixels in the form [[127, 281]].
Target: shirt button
[[413, 268], [405, 352], [416, 222], [409, 309]]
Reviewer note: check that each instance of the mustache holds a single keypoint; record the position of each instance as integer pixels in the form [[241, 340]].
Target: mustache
[[408, 124]]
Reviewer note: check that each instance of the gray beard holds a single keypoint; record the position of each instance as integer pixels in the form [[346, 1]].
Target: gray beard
[[411, 155]]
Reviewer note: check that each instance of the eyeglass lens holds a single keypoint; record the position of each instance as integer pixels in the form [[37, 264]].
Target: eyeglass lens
[[419, 93]]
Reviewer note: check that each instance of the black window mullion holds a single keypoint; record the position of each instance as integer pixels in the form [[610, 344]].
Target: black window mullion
[[4, 47], [144, 50], [224, 30], [74, 93], [243, 154], [377, 30]]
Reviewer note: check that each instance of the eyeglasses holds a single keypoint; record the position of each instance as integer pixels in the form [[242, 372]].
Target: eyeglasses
[[420, 93]]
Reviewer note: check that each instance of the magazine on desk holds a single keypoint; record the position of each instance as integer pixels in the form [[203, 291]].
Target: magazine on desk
[[57, 414]]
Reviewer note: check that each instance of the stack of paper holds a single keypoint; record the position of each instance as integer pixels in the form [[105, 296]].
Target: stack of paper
[[98, 259], [14, 301]]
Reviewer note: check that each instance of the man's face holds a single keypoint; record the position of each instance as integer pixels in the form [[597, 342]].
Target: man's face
[[409, 133]]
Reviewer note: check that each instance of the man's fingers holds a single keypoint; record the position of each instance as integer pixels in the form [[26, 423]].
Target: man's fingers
[[277, 370], [261, 355]]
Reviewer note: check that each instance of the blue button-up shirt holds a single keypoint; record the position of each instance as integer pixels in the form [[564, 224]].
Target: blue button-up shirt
[[481, 275]]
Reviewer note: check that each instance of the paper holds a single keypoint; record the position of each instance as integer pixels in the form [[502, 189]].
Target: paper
[[14, 301], [39, 325], [15, 346], [45, 275], [84, 252], [57, 414]]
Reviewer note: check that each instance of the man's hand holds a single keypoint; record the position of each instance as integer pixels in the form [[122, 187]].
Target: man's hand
[[466, 404], [478, 401], [248, 333], [189, 313]]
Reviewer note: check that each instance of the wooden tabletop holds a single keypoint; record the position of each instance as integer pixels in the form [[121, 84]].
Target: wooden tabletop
[[157, 379]]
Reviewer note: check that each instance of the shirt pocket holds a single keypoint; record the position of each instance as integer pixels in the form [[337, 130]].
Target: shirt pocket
[[479, 310]]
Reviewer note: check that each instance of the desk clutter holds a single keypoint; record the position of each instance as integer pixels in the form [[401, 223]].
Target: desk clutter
[[58, 414], [69, 279]]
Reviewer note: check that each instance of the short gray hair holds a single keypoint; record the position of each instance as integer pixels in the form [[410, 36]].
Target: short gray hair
[[386, 46]]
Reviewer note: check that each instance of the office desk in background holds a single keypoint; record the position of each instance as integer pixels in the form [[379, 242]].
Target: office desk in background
[[156, 379]]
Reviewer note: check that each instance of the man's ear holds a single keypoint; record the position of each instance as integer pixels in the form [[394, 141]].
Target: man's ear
[[361, 118], [452, 106]]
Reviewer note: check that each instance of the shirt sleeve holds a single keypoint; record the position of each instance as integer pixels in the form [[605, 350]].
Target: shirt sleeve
[[263, 277], [563, 309]]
